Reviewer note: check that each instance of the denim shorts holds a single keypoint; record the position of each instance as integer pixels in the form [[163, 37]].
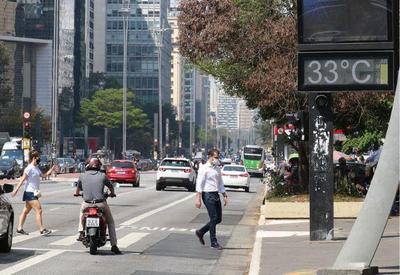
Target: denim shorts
[[28, 196]]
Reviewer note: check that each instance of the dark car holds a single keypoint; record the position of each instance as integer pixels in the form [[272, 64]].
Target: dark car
[[6, 218], [45, 163], [9, 169]]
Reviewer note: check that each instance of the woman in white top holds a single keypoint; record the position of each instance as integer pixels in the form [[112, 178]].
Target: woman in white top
[[31, 177]]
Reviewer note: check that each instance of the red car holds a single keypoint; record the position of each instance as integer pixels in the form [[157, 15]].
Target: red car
[[123, 171]]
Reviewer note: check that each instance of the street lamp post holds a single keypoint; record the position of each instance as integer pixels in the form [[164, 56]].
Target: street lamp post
[[54, 103], [160, 138], [125, 11]]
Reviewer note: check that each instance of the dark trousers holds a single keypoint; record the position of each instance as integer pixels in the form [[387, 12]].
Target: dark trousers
[[213, 204]]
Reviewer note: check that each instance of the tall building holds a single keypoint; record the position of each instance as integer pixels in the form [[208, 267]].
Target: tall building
[[245, 116], [148, 48], [177, 67], [26, 39], [26, 32], [227, 117]]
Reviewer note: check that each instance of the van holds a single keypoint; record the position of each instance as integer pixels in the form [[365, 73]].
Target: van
[[4, 137], [12, 150]]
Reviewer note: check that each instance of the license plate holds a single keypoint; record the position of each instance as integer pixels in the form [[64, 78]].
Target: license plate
[[121, 173], [175, 171], [92, 222], [234, 176]]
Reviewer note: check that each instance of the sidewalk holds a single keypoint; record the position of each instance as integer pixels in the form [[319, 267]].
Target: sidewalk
[[283, 247]]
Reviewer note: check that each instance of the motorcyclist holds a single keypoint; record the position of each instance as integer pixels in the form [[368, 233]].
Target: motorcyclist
[[92, 183]]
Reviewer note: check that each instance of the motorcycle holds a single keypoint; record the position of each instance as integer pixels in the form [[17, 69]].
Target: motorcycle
[[94, 227]]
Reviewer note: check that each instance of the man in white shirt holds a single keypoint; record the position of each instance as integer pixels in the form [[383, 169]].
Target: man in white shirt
[[208, 186]]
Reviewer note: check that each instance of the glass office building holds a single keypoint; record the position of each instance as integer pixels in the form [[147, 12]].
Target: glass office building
[[148, 34], [26, 31]]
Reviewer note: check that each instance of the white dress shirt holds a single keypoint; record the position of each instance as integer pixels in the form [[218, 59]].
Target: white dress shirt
[[209, 179]]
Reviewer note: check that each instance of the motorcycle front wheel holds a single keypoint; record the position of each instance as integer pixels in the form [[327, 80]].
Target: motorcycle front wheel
[[93, 245]]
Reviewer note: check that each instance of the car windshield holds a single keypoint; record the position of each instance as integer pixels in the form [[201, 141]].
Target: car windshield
[[118, 164], [5, 162], [178, 163], [234, 168], [13, 154]]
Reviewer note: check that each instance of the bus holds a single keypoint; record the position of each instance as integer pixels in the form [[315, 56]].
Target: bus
[[253, 159]]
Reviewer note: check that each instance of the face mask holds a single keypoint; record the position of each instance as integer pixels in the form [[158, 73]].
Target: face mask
[[215, 162]]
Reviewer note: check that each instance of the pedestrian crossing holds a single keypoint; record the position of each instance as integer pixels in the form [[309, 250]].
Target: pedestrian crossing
[[22, 238]]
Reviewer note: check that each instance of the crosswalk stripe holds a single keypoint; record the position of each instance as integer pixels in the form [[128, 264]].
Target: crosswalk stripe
[[30, 262], [21, 238], [70, 240], [129, 239]]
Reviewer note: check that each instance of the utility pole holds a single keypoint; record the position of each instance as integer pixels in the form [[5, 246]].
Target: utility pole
[[54, 103], [125, 11]]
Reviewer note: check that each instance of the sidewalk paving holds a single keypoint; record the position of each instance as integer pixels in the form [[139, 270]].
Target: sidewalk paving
[[286, 248]]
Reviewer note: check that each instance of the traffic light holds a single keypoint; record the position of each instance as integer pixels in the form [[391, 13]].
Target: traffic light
[[27, 129], [321, 101]]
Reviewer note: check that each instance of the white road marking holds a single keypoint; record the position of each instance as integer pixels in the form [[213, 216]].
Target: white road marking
[[134, 191], [256, 255], [70, 240], [20, 238], [129, 239], [275, 222], [152, 212], [30, 262], [54, 209], [282, 234], [45, 194]]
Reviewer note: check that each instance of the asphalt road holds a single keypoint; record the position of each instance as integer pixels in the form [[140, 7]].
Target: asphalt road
[[155, 231]]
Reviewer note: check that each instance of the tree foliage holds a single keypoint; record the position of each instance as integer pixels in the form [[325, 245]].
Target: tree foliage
[[101, 81], [104, 109], [250, 46]]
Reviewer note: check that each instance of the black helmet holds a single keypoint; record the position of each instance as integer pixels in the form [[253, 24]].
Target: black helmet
[[93, 164]]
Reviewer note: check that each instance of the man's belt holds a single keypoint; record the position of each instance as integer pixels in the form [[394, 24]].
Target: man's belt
[[95, 201]]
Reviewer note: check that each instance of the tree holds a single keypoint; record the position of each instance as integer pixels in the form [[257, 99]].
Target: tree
[[250, 46], [104, 109], [101, 81]]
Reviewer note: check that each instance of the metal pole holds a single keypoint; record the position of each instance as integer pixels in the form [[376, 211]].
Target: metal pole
[[125, 11], [206, 122], [54, 107], [321, 168], [160, 97]]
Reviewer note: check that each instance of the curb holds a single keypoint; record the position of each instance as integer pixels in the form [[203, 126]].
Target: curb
[[237, 256], [301, 210]]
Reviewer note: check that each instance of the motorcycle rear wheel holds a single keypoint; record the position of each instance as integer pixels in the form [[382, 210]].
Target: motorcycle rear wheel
[[93, 245]]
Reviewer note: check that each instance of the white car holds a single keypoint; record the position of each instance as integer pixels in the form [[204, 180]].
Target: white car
[[176, 172], [236, 176]]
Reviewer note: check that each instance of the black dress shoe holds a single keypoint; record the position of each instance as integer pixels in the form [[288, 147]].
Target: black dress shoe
[[200, 237], [116, 250], [217, 246]]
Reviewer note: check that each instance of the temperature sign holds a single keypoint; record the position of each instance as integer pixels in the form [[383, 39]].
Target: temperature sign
[[345, 71]]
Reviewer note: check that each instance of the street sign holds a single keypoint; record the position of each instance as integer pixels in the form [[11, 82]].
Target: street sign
[[345, 71], [27, 115], [26, 143]]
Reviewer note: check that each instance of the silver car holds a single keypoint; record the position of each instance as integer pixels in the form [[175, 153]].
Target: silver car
[[6, 218]]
